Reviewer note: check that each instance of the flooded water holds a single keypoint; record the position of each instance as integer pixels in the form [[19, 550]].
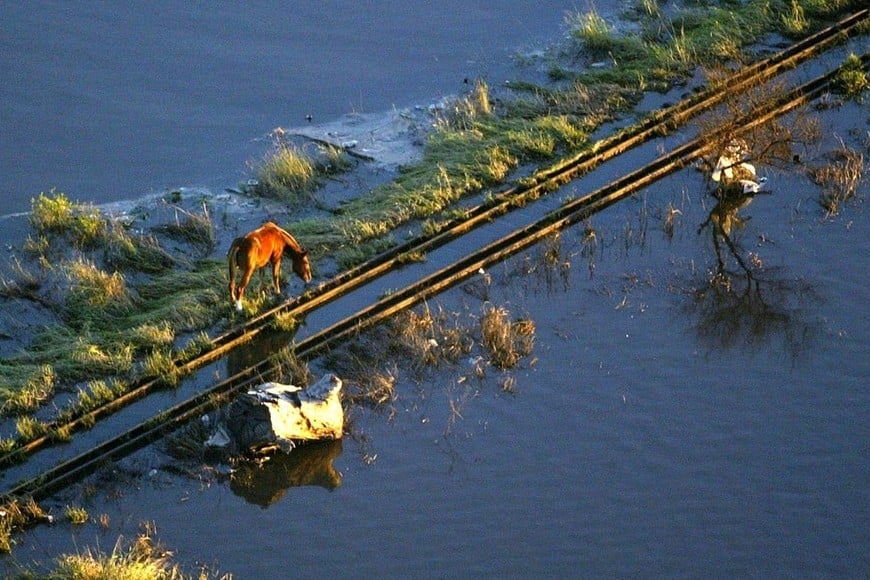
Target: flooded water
[[663, 427], [108, 103]]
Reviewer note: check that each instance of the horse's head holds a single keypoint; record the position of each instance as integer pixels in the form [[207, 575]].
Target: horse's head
[[302, 266]]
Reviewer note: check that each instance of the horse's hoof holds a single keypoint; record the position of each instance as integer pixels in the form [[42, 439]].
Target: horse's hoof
[[239, 305]]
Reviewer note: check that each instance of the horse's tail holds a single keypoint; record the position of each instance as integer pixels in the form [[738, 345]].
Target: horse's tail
[[231, 262]]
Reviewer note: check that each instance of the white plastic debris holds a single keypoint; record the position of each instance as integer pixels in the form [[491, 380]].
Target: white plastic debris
[[732, 167], [219, 439]]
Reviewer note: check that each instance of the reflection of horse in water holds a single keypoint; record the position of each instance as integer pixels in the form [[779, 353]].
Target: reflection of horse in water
[[264, 245], [265, 344]]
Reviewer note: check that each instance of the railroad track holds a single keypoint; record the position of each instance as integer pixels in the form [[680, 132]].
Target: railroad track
[[660, 123], [569, 213]]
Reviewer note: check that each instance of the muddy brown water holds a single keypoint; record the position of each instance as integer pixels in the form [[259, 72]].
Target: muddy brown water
[[659, 428]]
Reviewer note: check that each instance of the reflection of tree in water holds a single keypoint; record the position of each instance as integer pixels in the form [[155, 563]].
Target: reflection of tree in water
[[742, 302], [724, 221], [746, 304], [748, 310]]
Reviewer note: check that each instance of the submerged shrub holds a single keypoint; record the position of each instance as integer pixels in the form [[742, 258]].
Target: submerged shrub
[[839, 179], [76, 515]]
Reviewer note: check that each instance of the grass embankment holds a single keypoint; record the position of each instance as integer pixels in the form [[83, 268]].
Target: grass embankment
[[118, 304]]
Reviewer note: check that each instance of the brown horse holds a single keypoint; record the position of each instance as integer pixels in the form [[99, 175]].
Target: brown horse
[[256, 249]]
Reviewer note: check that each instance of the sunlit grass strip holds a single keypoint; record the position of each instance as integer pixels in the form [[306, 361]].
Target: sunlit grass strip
[[98, 345], [143, 559], [668, 49], [71, 355], [456, 163]]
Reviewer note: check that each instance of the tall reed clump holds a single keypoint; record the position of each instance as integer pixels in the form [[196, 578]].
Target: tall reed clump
[[136, 253], [794, 23], [839, 179], [507, 341], [592, 30], [285, 174], [461, 113], [194, 228]]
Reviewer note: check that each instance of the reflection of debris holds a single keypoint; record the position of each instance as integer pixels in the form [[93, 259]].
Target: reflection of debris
[[724, 219], [265, 482]]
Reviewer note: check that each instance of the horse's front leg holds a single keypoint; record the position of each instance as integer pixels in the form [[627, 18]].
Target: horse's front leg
[[246, 278], [276, 275]]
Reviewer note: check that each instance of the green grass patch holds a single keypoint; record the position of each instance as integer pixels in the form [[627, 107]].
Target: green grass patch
[[55, 215], [36, 390], [136, 253], [851, 80], [76, 515]]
